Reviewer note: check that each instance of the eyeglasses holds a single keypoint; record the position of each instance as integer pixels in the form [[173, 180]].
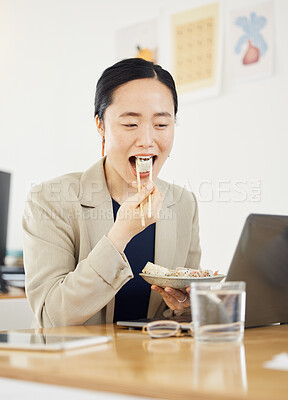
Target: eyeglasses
[[162, 329]]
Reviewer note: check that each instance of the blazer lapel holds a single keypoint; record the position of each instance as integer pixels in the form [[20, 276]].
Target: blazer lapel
[[165, 242], [96, 203]]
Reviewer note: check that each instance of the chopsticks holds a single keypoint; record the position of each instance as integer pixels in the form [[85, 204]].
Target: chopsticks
[[139, 188], [149, 198]]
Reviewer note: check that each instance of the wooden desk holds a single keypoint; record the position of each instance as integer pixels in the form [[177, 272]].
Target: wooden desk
[[173, 368], [13, 294]]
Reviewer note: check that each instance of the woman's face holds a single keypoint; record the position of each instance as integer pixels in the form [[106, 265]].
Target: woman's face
[[139, 122]]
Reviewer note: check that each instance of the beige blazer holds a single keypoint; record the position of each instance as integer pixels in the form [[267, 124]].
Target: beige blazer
[[73, 271]]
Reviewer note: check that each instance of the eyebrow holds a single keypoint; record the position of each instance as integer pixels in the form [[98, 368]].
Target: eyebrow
[[134, 114]]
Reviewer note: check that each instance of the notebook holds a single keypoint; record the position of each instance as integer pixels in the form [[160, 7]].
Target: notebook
[[261, 260]]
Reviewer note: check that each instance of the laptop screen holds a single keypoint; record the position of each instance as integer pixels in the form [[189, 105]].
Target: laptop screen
[[261, 260]]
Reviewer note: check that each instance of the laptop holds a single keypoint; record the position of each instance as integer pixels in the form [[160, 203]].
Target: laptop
[[261, 260]]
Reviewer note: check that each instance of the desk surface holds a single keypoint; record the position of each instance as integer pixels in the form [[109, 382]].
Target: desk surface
[[172, 368], [14, 293]]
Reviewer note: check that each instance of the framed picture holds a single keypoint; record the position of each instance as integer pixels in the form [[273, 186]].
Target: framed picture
[[138, 40], [194, 54], [251, 41]]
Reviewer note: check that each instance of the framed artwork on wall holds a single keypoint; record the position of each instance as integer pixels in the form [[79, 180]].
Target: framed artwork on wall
[[138, 40], [195, 51], [251, 42]]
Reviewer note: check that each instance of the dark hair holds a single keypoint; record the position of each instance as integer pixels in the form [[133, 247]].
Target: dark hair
[[125, 71]]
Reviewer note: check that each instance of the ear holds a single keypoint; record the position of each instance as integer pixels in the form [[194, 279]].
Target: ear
[[100, 126]]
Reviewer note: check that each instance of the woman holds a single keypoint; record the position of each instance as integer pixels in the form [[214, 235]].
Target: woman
[[84, 239]]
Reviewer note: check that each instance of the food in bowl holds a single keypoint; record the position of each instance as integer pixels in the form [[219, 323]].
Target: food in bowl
[[154, 269]]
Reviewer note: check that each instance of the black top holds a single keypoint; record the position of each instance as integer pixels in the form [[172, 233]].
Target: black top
[[131, 302]]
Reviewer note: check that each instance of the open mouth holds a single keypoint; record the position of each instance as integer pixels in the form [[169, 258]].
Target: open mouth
[[144, 163]]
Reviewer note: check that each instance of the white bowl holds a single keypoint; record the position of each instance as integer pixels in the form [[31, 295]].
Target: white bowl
[[178, 282]]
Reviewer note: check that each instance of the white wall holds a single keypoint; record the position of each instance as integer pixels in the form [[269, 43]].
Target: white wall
[[51, 55]]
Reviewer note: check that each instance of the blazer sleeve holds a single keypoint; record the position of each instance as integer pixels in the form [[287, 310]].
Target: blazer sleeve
[[60, 290]]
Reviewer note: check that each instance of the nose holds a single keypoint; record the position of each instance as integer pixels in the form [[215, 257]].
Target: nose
[[145, 137]]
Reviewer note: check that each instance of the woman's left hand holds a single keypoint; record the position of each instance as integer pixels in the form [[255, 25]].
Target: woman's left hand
[[174, 298]]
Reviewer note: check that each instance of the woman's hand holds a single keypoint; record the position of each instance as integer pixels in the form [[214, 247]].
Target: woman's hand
[[128, 221], [174, 298]]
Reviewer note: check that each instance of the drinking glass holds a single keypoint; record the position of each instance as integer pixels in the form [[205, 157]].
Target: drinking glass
[[218, 310]]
